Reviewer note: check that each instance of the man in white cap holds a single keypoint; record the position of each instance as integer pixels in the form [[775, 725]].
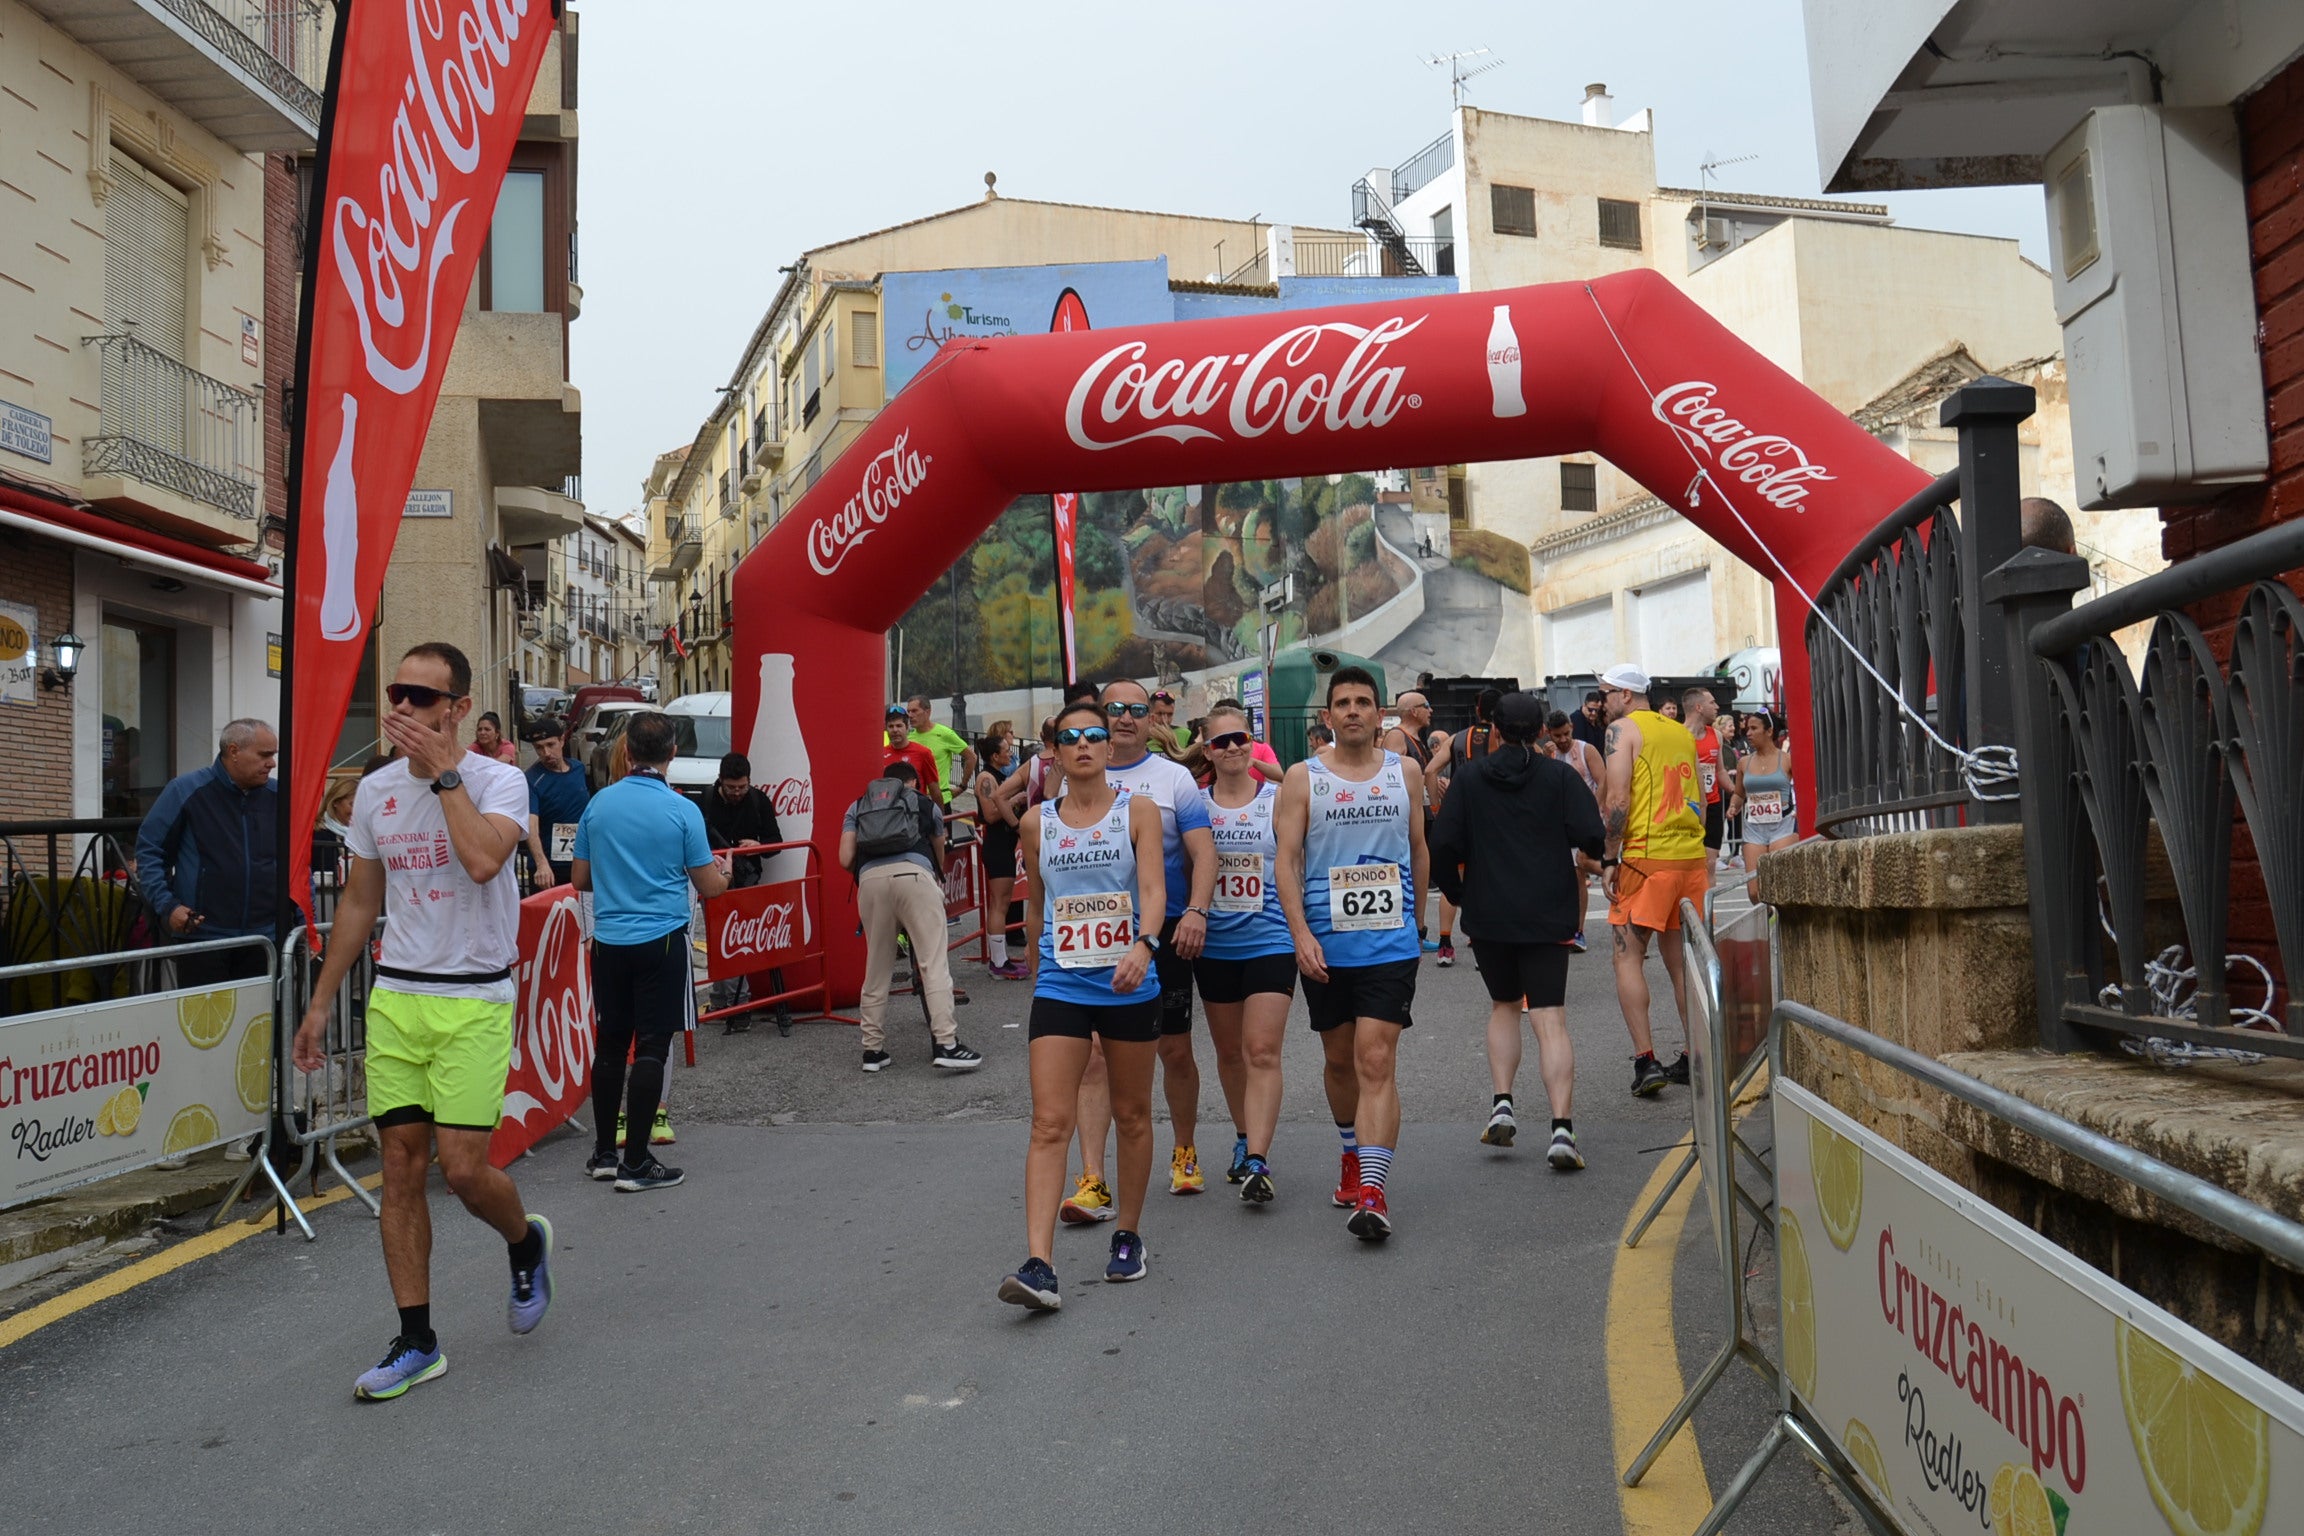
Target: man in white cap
[[1653, 808]]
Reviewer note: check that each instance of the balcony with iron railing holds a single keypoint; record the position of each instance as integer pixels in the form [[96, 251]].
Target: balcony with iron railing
[[1402, 256], [683, 547], [251, 72], [172, 441]]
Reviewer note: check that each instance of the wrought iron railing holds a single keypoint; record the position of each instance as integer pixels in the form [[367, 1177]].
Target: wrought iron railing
[[67, 889], [281, 43], [1421, 167], [2131, 787], [169, 426], [1919, 684], [1402, 256]]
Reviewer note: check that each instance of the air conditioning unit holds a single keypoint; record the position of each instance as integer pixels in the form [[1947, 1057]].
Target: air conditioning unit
[[2148, 257], [1713, 235]]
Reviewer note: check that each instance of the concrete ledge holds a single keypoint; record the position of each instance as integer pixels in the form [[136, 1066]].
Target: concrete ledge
[[1945, 869], [2238, 1127], [114, 1208]]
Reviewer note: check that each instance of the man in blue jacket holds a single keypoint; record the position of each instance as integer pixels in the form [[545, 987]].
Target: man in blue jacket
[[208, 855]]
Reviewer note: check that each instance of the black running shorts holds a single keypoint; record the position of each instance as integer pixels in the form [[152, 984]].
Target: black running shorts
[[1537, 973], [1128, 1023], [1715, 824], [1233, 981], [1384, 991]]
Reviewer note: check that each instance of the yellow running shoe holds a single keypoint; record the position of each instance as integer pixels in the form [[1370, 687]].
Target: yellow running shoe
[[660, 1134], [1184, 1173], [1090, 1202]]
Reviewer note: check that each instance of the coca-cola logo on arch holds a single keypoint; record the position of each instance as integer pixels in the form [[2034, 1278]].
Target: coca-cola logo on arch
[[792, 797], [892, 474], [1771, 464], [765, 932], [1330, 375]]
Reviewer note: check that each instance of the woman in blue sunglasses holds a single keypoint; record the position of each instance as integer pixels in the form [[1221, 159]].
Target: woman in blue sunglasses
[[1094, 855]]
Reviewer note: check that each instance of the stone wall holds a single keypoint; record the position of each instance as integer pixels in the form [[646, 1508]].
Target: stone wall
[[1924, 938]]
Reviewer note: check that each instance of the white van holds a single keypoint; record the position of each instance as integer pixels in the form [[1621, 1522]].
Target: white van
[[707, 726]]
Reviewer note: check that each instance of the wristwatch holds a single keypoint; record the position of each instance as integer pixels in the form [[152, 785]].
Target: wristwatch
[[1608, 863], [1203, 911], [447, 781], [1150, 941]]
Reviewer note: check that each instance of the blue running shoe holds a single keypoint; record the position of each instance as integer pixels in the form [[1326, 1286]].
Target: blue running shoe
[[1127, 1261], [532, 1288], [1239, 1168], [404, 1365], [1033, 1286]]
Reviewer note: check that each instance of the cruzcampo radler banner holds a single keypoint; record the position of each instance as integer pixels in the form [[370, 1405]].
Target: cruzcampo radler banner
[[1983, 1379], [425, 100], [96, 1090]]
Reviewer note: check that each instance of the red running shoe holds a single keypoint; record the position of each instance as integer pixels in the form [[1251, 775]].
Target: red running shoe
[[1348, 1186], [1370, 1221]]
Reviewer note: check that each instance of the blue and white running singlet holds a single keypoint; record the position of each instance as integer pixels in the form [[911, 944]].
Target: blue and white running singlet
[[1246, 922], [1359, 883], [1088, 917]]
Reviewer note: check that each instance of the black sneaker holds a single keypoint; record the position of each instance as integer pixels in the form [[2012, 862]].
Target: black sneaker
[[959, 997], [1648, 1077], [1127, 1261], [954, 1058], [1032, 1286], [1678, 1071], [649, 1175], [600, 1165], [875, 1060], [1257, 1188]]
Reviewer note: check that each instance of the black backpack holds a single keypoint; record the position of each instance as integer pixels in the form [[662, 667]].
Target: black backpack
[[890, 819]]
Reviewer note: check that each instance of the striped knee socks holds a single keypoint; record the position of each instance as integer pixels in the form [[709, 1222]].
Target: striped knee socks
[[1375, 1163]]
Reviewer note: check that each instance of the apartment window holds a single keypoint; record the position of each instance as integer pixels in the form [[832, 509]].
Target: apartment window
[[1579, 487], [811, 382], [1619, 224], [147, 256], [1512, 210], [139, 713], [1444, 243], [516, 244], [864, 339]]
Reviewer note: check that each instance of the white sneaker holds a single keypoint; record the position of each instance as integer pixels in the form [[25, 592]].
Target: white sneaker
[[1563, 1154], [1501, 1126]]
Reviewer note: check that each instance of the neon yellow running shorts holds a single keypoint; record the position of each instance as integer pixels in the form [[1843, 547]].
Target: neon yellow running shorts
[[446, 1056]]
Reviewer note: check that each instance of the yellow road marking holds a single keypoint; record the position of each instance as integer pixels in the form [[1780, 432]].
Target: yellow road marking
[[129, 1276], [1644, 1382]]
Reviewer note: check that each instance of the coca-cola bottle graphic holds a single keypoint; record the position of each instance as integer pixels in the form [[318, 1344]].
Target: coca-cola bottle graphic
[[1504, 365], [779, 756], [340, 530]]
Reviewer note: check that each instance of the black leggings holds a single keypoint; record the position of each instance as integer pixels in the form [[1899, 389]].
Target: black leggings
[[642, 994]]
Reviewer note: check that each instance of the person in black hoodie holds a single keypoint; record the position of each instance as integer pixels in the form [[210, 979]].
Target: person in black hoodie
[[1504, 851]]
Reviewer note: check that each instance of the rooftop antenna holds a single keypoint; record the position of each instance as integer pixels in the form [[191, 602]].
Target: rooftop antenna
[[1704, 176], [1457, 73]]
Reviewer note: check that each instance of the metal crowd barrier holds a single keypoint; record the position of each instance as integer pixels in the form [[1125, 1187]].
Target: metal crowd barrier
[[811, 884], [329, 1103]]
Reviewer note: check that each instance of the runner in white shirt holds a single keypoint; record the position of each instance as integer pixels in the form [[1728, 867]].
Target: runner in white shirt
[[431, 846]]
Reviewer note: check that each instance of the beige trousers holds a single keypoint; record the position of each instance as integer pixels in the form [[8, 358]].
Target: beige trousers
[[893, 896]]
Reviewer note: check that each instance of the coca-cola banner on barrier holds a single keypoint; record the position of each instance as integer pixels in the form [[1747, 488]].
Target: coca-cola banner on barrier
[[755, 928], [425, 99], [1626, 365], [552, 1043]]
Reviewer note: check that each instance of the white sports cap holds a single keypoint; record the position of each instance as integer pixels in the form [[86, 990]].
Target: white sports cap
[[1626, 676]]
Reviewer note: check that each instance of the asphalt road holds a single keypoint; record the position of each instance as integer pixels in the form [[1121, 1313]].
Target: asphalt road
[[804, 1336]]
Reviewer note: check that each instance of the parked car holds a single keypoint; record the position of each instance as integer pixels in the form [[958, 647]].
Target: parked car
[[597, 731], [706, 725]]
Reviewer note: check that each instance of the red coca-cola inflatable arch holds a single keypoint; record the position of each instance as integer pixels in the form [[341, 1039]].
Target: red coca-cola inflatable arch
[[1624, 366]]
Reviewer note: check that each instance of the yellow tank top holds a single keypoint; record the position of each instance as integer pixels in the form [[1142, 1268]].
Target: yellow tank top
[[1667, 813]]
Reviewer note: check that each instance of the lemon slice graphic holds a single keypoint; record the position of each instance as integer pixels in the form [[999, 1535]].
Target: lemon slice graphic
[[1799, 1306], [1837, 1165], [194, 1126], [1865, 1452], [2205, 1450], [254, 1071], [127, 1109], [206, 1016]]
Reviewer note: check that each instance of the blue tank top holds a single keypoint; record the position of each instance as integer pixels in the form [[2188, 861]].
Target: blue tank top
[[1363, 828], [1246, 921], [1083, 870]]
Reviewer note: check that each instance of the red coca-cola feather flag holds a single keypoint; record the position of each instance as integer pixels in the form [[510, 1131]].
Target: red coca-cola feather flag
[[1071, 315], [425, 100]]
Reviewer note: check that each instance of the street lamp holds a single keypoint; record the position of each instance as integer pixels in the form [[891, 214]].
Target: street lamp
[[66, 649]]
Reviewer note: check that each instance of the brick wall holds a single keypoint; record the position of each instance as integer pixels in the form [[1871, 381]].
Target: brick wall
[[38, 572], [283, 276], [2272, 151]]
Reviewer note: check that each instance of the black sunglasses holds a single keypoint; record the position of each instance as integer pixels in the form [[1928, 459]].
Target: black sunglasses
[[1229, 739], [1072, 736], [418, 695], [1136, 711]]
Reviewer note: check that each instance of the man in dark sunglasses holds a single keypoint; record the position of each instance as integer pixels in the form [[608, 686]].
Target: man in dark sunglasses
[[432, 837]]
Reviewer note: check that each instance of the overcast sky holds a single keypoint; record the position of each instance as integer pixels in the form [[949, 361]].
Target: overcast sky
[[721, 138]]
